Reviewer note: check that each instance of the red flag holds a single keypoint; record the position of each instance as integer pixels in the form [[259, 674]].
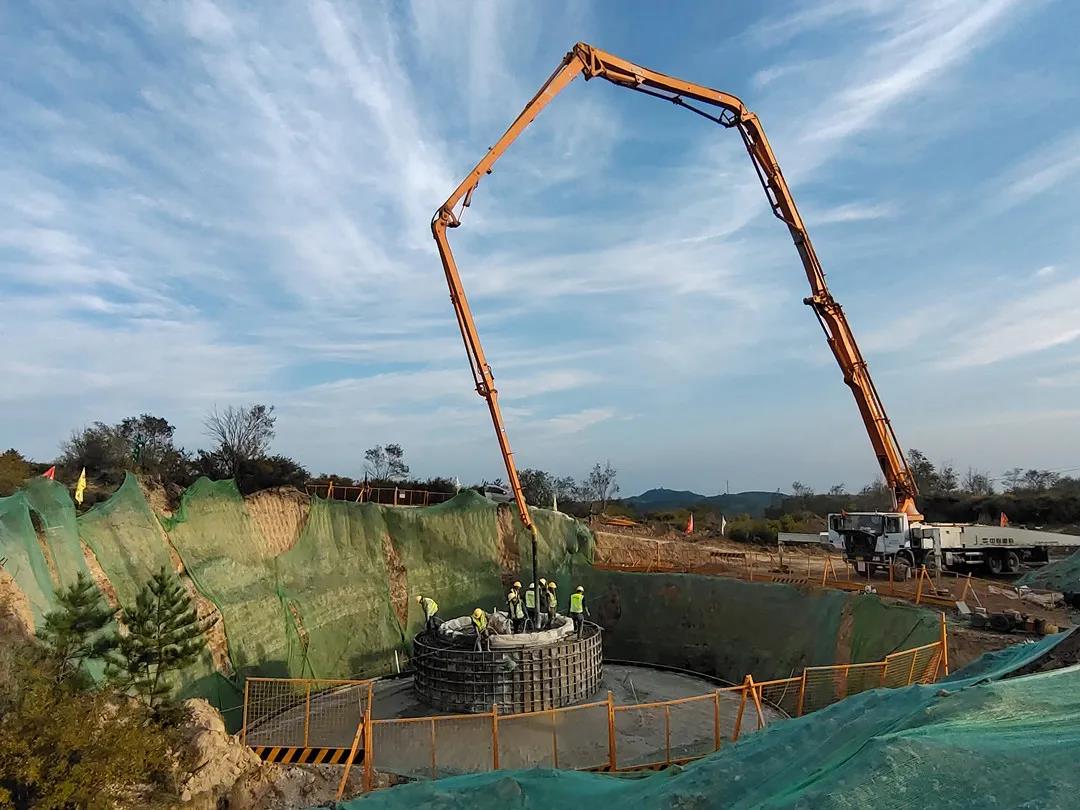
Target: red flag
[[50, 473], [1004, 519], [690, 524]]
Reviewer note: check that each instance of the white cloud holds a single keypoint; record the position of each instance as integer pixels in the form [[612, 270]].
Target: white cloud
[[852, 212], [1051, 165], [1016, 327]]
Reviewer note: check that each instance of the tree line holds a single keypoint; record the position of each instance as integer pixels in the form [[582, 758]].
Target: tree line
[[240, 439]]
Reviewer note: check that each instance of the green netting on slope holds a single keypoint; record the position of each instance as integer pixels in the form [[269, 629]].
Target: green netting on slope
[[1063, 575], [126, 538], [222, 551], [975, 743], [339, 619], [51, 500], [130, 546], [23, 558], [352, 560], [719, 626], [880, 628]]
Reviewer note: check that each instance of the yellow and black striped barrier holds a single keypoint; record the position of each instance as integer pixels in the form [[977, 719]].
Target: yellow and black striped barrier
[[302, 756]]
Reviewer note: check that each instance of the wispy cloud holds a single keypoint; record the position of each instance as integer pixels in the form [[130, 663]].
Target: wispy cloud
[[1050, 166], [1020, 326]]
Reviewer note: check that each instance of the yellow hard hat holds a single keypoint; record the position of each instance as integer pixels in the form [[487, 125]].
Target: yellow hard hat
[[476, 614], [580, 589], [419, 599], [517, 584], [552, 584]]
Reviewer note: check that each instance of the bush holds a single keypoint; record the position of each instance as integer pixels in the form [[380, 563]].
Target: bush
[[14, 469], [63, 748]]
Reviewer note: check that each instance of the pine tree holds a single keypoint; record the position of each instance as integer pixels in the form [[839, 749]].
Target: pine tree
[[164, 635], [76, 631]]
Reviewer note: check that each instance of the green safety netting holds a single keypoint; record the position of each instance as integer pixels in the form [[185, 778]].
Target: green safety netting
[[130, 546], [1063, 575], [52, 502], [332, 604], [23, 558], [729, 628], [972, 741]]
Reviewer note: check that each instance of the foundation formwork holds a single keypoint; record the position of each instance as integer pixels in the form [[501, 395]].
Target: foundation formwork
[[516, 679]]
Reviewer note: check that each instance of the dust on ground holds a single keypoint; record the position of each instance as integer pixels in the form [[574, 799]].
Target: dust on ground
[[967, 644], [229, 774], [16, 619], [1065, 654], [43, 544], [280, 514], [99, 576], [156, 496], [399, 582]]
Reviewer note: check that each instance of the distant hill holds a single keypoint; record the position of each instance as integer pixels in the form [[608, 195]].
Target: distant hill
[[752, 503], [666, 500], [662, 500]]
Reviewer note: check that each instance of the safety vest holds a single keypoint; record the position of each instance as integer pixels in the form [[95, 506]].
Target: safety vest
[[530, 599], [481, 623], [514, 602], [577, 603], [430, 606]]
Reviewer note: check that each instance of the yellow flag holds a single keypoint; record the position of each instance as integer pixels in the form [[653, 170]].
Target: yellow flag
[[80, 487]]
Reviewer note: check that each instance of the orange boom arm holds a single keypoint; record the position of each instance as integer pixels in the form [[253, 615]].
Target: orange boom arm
[[729, 112]]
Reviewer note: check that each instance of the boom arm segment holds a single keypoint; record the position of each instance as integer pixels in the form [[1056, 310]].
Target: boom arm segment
[[728, 111]]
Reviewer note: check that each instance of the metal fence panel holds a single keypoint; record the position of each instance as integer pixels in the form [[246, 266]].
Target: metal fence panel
[[405, 747], [303, 712], [528, 740], [637, 732], [463, 744], [581, 736], [691, 727]]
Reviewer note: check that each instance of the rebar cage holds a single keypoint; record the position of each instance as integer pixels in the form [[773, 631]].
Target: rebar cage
[[517, 679]]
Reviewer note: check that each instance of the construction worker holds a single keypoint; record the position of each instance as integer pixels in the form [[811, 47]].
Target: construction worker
[[552, 604], [578, 611], [514, 609], [480, 624], [530, 606], [430, 608], [543, 607]]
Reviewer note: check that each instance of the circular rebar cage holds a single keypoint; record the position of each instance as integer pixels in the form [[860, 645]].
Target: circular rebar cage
[[517, 679]]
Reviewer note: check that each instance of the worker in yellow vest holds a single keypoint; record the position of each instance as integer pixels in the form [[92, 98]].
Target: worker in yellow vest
[[530, 606], [430, 607], [480, 624], [552, 604], [514, 609], [578, 611]]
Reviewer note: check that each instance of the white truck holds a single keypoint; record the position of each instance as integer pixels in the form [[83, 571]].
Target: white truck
[[874, 539]]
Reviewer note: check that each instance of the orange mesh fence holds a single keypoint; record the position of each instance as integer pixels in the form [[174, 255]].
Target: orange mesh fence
[[303, 713], [593, 736], [783, 694]]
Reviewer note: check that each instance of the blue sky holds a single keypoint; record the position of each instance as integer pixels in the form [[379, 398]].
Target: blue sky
[[209, 203]]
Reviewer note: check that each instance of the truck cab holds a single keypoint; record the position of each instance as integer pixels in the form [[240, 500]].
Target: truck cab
[[869, 538]]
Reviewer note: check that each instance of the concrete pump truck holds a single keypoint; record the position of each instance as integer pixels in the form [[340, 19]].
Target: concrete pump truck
[[868, 539]]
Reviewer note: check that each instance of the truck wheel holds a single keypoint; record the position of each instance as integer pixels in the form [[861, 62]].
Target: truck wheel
[[995, 563], [1012, 562]]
